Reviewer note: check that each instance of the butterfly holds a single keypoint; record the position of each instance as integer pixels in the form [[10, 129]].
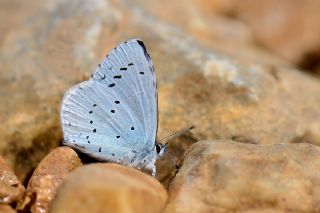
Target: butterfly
[[113, 116]]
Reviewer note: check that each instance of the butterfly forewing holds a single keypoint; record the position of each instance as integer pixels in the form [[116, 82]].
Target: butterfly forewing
[[129, 70]]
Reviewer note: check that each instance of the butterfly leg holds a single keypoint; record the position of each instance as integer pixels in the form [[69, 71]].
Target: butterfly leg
[[154, 171], [150, 165]]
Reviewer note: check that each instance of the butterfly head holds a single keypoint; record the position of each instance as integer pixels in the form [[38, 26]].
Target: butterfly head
[[161, 149]]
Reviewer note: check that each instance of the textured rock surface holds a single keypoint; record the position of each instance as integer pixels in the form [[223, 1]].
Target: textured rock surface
[[226, 176], [11, 190], [47, 178], [210, 73], [109, 188]]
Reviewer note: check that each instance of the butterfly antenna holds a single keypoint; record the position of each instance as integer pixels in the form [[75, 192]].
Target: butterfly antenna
[[176, 134]]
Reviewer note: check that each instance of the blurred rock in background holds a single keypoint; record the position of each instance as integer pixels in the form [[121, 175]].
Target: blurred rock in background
[[289, 28]]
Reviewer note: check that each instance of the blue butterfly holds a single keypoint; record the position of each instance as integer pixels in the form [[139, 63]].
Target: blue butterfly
[[114, 115]]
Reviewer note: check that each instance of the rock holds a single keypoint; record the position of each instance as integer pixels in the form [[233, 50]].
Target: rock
[[220, 33], [222, 83], [289, 28], [6, 209], [109, 188], [210, 71], [168, 166], [226, 176], [47, 178], [11, 190]]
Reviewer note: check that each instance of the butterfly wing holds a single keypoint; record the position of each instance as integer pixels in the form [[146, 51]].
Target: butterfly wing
[[130, 68], [114, 114]]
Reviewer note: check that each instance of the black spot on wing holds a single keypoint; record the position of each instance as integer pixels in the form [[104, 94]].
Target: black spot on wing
[[144, 50], [146, 54]]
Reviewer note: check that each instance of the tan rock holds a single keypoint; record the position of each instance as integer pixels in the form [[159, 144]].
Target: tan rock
[[109, 188], [6, 209], [11, 190], [289, 28], [47, 178], [210, 29], [225, 176]]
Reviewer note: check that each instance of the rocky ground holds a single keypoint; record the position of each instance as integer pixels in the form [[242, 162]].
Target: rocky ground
[[246, 75]]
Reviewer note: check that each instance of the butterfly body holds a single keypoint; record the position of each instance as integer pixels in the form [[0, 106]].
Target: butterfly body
[[114, 116]]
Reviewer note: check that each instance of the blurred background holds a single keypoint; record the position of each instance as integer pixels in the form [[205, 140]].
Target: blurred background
[[244, 70]]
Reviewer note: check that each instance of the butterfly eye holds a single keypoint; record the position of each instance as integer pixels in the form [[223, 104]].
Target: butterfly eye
[[158, 148]]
